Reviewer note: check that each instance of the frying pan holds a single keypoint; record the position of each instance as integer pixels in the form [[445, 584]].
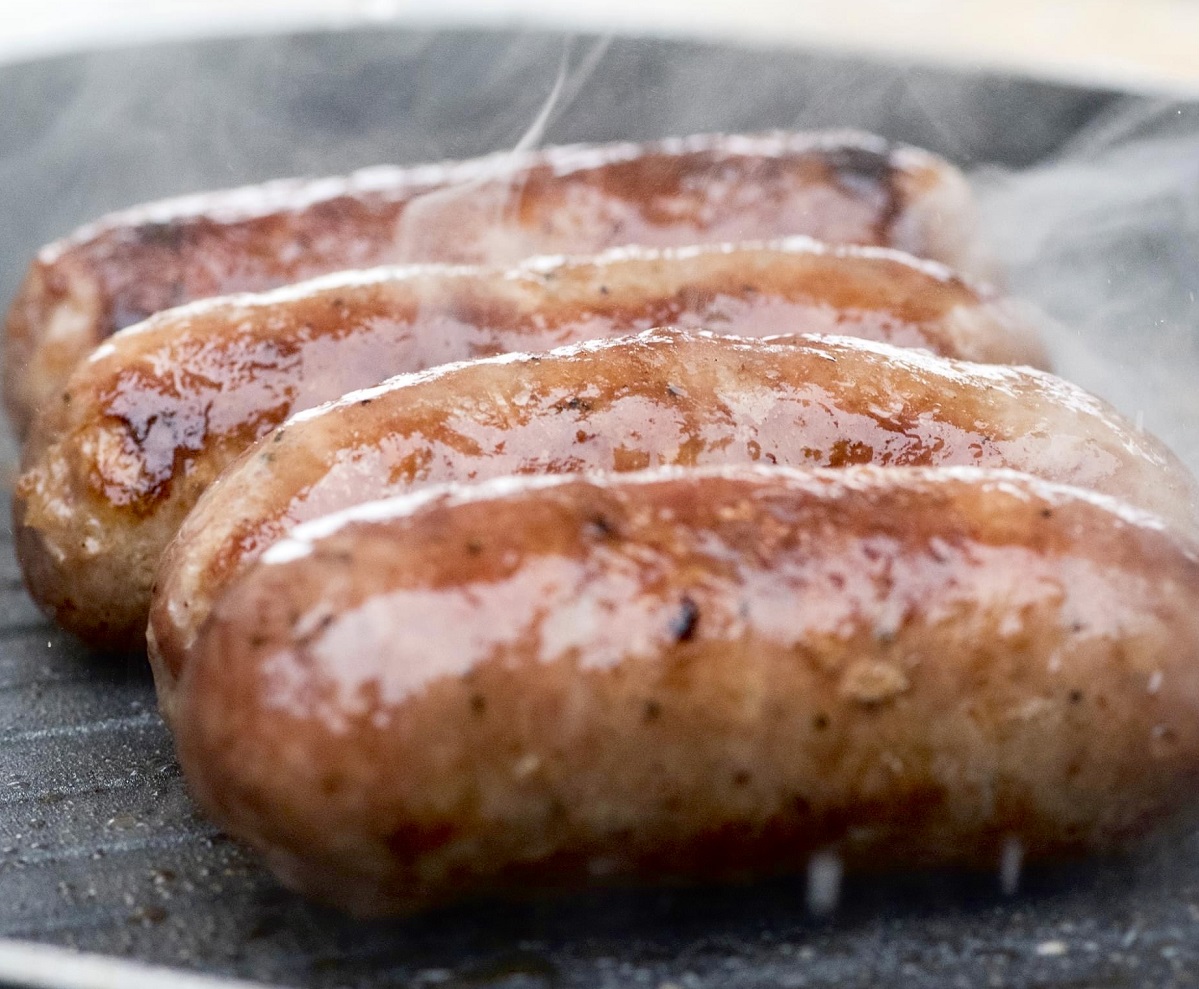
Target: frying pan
[[1091, 196]]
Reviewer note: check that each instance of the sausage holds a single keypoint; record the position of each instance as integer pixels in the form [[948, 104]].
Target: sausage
[[836, 186], [664, 397], [241, 364], [542, 683], [144, 425], [238, 365]]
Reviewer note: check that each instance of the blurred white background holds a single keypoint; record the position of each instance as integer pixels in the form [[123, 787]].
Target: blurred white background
[[1146, 42]]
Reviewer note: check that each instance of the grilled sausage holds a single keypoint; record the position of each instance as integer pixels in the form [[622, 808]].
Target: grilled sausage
[[233, 367], [842, 187], [665, 397], [541, 683], [145, 424]]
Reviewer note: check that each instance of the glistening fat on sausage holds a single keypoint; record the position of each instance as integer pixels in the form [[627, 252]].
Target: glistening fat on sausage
[[152, 418], [542, 683], [253, 359], [836, 186], [665, 397]]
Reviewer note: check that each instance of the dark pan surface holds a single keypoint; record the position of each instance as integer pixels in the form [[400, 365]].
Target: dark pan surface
[[99, 846]]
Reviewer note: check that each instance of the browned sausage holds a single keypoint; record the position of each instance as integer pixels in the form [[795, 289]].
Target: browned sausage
[[541, 683], [147, 422], [665, 397], [841, 187], [239, 364]]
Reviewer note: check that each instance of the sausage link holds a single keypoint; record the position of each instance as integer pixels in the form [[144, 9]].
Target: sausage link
[[836, 186], [690, 676], [666, 397], [151, 419]]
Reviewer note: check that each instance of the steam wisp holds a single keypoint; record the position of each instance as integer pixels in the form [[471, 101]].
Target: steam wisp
[[1106, 237]]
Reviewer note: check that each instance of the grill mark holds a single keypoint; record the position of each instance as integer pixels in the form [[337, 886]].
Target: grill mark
[[63, 792], [126, 846], [61, 680], [852, 168]]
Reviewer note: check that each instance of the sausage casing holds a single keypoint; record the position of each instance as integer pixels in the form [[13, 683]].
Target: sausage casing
[[841, 187], [543, 683], [665, 397], [143, 426]]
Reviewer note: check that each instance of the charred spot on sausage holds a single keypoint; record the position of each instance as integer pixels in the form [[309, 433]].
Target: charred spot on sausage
[[170, 235], [862, 171], [600, 527], [685, 622]]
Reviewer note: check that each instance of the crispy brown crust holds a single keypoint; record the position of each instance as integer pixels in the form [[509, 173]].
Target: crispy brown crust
[[222, 372], [696, 676], [143, 427], [666, 397], [841, 187]]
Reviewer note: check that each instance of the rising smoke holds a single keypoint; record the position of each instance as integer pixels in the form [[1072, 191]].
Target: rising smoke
[[1105, 235]]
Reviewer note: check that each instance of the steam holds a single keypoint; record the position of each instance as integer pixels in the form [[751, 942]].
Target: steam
[[566, 87], [430, 216], [823, 891], [1011, 862], [1106, 237]]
